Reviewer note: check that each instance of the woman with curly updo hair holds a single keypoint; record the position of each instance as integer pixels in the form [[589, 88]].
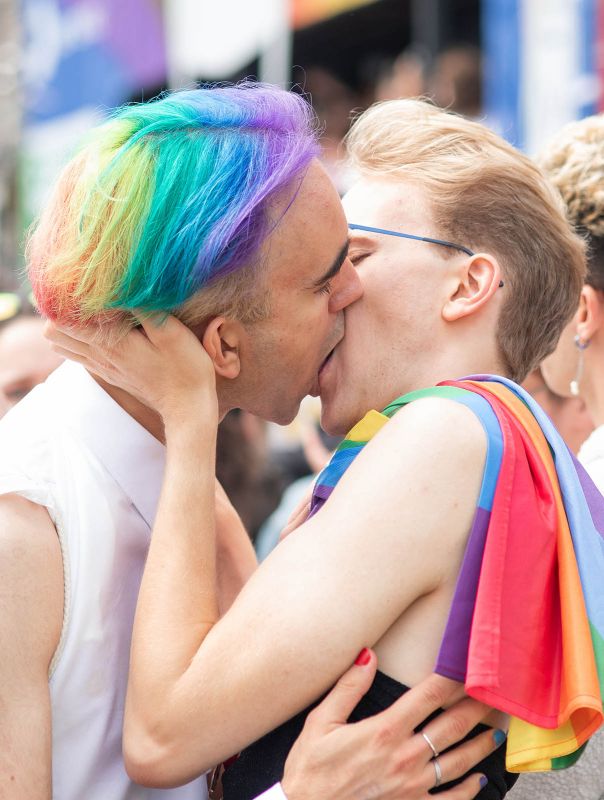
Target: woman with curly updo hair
[[574, 161]]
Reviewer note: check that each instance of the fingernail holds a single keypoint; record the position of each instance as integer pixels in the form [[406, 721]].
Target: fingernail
[[499, 736], [483, 781], [363, 658]]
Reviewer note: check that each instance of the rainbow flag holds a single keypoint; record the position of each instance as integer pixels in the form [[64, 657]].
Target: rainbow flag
[[525, 632]]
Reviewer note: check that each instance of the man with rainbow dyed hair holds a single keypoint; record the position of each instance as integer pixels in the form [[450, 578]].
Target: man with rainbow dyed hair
[[210, 205]]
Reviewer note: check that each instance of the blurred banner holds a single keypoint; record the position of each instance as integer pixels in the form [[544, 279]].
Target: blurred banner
[[81, 58], [307, 12], [540, 66], [212, 39]]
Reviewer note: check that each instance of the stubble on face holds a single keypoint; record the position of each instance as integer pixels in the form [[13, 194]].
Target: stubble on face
[[281, 355]]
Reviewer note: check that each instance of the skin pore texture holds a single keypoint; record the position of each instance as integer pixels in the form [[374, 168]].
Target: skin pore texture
[[334, 585]]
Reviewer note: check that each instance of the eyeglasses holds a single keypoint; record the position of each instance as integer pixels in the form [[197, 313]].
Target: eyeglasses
[[428, 239], [463, 249]]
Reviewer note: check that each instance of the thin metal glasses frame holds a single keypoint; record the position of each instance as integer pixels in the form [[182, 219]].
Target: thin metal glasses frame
[[466, 250], [354, 227]]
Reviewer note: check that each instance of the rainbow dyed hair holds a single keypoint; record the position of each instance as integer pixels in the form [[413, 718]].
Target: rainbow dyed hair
[[165, 198]]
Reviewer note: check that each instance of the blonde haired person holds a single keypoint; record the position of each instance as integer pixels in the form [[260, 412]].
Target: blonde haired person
[[574, 162], [487, 290]]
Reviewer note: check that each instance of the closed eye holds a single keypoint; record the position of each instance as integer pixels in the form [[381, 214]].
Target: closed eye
[[325, 289], [357, 257]]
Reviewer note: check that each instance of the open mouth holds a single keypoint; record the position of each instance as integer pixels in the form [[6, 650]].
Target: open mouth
[[326, 360]]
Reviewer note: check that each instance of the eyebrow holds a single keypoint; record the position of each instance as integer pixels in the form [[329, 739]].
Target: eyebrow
[[334, 268]]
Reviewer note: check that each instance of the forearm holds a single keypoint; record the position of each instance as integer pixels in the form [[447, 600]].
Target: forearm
[[177, 603], [235, 559]]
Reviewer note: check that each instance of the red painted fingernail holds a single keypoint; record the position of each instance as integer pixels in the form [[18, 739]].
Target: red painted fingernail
[[363, 658]]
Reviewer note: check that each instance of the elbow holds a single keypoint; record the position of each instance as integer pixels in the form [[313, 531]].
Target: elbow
[[146, 761], [153, 761], [159, 759]]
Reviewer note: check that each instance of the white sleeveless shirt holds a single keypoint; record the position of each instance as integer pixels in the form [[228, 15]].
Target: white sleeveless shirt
[[70, 447]]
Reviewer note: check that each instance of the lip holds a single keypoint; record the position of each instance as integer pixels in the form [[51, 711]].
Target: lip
[[325, 368], [316, 389]]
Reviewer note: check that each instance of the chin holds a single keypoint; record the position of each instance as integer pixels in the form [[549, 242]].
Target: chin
[[283, 414], [337, 424]]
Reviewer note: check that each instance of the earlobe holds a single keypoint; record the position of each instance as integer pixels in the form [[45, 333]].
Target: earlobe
[[221, 342], [475, 285]]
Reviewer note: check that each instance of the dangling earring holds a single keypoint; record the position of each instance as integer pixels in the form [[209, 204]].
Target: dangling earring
[[581, 346]]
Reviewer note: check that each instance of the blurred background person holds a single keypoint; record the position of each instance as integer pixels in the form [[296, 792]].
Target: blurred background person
[[569, 414], [26, 358], [574, 161], [244, 467], [455, 81]]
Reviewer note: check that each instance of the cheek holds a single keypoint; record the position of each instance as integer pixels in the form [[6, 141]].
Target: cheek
[[559, 368]]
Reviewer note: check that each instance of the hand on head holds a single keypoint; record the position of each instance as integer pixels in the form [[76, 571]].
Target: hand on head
[[162, 363]]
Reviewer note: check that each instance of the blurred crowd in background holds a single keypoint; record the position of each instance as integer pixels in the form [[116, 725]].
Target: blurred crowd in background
[[525, 67]]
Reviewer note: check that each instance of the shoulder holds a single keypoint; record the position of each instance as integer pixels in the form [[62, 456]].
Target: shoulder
[[28, 439], [31, 575], [436, 429]]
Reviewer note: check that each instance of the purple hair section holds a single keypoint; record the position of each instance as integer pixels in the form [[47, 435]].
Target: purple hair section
[[266, 139]]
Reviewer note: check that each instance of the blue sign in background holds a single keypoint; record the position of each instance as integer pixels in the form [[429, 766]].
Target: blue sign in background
[[89, 52]]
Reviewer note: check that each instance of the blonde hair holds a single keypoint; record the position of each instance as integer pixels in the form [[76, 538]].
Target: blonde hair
[[574, 162], [487, 196]]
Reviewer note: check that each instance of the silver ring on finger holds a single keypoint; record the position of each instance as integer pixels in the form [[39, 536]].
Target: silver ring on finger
[[438, 773], [435, 752]]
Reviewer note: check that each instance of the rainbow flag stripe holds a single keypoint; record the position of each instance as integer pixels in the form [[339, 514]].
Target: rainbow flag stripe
[[525, 632]]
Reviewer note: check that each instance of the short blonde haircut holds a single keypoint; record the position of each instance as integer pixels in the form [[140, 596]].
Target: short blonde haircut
[[487, 196], [574, 162]]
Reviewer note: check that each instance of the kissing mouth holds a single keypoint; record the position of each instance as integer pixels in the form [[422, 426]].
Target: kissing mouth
[[328, 357]]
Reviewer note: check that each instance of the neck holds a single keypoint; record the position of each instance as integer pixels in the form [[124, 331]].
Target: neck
[[457, 362], [149, 419], [592, 385], [145, 416]]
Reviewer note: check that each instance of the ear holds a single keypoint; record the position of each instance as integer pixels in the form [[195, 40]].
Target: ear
[[590, 314], [221, 342], [477, 281]]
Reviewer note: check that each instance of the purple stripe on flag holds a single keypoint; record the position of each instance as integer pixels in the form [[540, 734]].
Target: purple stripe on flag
[[452, 659], [320, 494], [592, 495]]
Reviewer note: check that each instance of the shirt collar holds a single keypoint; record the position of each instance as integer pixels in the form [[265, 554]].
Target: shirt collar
[[133, 457]]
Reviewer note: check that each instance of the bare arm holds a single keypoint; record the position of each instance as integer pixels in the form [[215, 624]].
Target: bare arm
[[392, 532], [31, 613], [200, 690]]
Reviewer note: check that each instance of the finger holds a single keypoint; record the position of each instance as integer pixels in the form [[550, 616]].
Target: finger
[[455, 723], [91, 366], [82, 333], [346, 694], [159, 327], [466, 789], [414, 706], [68, 342], [295, 522], [464, 757]]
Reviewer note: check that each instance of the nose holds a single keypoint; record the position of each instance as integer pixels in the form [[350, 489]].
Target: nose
[[347, 288]]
